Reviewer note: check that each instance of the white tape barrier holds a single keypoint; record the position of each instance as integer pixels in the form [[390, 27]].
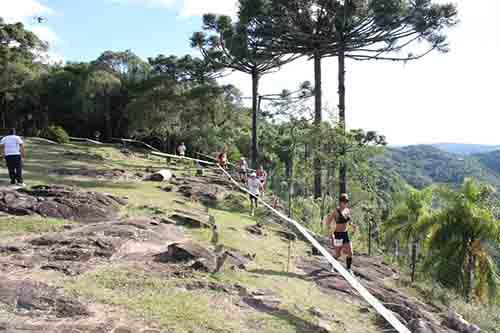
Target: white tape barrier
[[229, 163], [137, 141], [182, 157], [375, 303]]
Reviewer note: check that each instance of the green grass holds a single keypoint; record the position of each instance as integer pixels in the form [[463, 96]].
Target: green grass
[[269, 271], [158, 300], [15, 226]]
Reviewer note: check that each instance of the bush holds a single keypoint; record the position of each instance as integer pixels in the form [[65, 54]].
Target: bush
[[57, 134]]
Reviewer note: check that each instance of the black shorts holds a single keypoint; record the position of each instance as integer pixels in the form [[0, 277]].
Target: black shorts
[[253, 197], [344, 236]]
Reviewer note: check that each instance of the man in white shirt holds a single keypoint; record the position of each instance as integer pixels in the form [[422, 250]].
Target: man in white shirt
[[14, 154], [254, 186], [181, 150]]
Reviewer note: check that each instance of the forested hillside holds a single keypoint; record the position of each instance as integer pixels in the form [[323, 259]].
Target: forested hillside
[[465, 148], [421, 166]]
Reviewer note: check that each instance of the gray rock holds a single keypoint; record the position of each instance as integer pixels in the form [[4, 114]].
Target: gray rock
[[163, 175], [60, 202], [457, 322]]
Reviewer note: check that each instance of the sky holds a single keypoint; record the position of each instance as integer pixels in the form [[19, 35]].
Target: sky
[[449, 97]]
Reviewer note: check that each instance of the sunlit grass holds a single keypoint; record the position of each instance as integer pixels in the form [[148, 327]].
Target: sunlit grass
[[14, 226]]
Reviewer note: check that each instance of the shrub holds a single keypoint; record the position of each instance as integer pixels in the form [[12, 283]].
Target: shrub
[[57, 134]]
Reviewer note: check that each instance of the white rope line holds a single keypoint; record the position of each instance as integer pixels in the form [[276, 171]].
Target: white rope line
[[182, 157], [375, 303]]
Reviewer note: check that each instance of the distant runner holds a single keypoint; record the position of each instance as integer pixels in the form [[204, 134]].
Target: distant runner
[[181, 150], [340, 238], [14, 154], [243, 170], [254, 186], [262, 175], [222, 158]]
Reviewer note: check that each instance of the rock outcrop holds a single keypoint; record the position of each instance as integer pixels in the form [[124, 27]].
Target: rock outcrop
[[373, 274], [60, 202]]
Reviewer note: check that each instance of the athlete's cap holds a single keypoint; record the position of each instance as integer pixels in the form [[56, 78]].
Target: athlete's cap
[[344, 197], [253, 174]]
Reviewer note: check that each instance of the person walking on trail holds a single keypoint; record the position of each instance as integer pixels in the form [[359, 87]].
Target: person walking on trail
[[222, 159], [181, 150], [14, 154], [243, 170], [262, 175], [341, 216], [254, 186]]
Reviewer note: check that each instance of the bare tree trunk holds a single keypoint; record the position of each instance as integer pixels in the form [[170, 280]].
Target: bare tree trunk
[[255, 107], [317, 121], [107, 118], [471, 265], [396, 250], [4, 111], [370, 238], [413, 259], [342, 119]]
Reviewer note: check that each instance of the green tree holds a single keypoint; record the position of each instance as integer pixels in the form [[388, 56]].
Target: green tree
[[18, 49], [406, 220], [461, 238], [101, 87], [234, 46], [295, 27], [355, 29]]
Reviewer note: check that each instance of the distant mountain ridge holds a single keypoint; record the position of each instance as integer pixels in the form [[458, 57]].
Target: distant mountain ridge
[[465, 148], [424, 165]]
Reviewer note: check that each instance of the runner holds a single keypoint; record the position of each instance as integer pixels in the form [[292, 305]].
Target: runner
[[181, 150], [340, 238], [254, 186], [222, 158], [14, 154], [242, 170], [262, 175]]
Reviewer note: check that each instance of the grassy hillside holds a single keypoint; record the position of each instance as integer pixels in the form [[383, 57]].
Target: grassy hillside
[[137, 291], [132, 290]]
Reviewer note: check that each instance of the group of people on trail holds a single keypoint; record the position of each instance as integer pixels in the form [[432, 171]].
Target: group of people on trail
[[336, 222], [255, 181], [14, 154]]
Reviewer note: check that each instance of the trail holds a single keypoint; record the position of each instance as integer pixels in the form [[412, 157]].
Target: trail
[[365, 294]]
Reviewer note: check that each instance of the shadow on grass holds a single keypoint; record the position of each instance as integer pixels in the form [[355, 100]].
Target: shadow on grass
[[269, 272], [300, 325]]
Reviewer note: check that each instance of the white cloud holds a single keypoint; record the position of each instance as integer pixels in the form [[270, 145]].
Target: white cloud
[[25, 11], [45, 33], [200, 7], [149, 3], [443, 97], [188, 8], [22, 10]]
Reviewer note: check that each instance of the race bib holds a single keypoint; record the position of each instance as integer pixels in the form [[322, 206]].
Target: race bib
[[338, 242]]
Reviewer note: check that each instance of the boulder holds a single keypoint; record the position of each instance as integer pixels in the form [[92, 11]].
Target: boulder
[[163, 175], [35, 297], [421, 326], [189, 251], [192, 219], [457, 322], [205, 191], [60, 202], [255, 229]]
